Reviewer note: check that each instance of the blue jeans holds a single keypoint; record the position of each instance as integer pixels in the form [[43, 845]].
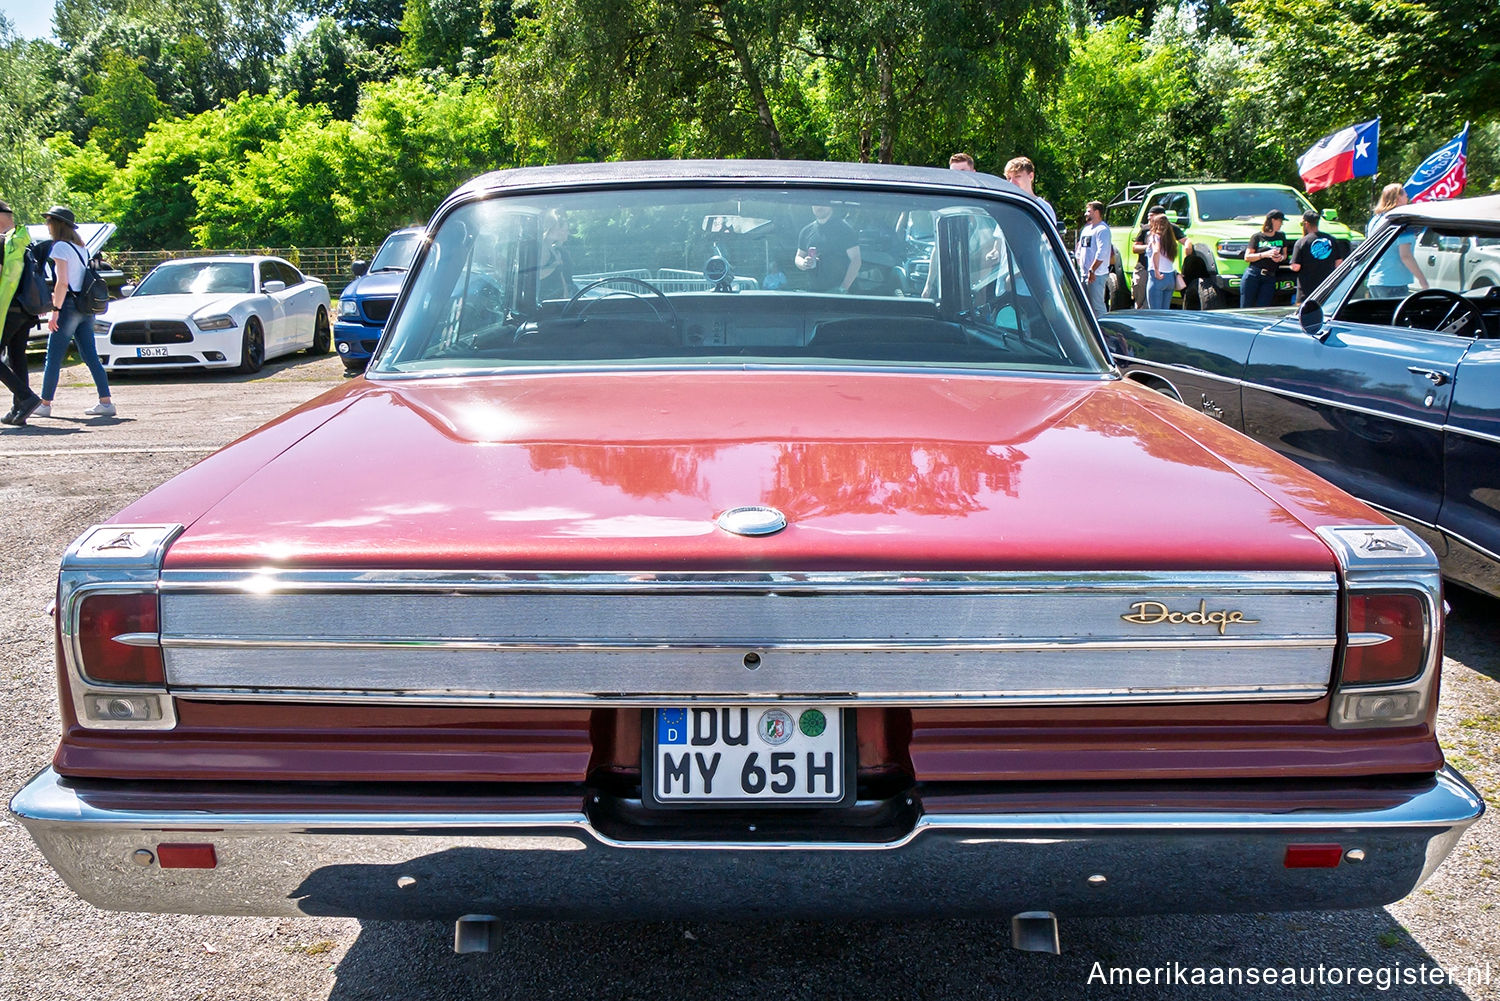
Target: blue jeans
[[1389, 291], [1159, 290], [1256, 289], [77, 328]]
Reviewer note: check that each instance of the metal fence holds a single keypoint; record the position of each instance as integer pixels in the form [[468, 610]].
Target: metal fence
[[328, 263]]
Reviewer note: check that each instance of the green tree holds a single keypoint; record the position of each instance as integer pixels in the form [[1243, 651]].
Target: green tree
[[328, 65], [410, 144], [1422, 66], [376, 23], [1109, 120], [155, 199], [121, 104], [458, 36]]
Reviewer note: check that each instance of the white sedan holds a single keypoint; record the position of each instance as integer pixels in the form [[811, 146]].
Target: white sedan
[[215, 312]]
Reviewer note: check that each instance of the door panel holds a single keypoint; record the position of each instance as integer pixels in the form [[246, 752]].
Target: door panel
[[1470, 515], [273, 311], [1363, 408]]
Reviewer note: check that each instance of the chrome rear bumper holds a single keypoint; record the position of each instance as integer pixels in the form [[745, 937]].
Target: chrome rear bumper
[[542, 862]]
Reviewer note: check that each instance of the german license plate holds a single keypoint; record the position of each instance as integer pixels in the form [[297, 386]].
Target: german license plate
[[150, 352], [748, 754]]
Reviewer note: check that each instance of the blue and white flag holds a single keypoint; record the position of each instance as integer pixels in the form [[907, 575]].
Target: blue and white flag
[[1444, 173]]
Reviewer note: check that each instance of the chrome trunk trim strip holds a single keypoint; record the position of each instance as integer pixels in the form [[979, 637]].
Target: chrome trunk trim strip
[[642, 639]]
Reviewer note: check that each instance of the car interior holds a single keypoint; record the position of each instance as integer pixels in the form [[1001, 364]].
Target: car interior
[[1445, 279], [705, 280]]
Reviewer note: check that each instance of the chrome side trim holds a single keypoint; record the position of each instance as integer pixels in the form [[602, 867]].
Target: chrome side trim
[[539, 863], [1471, 433], [1302, 397]]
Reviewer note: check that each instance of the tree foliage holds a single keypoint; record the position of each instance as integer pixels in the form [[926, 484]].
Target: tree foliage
[[256, 122]]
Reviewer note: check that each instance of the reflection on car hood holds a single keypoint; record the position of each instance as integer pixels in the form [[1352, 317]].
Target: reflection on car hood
[[375, 283], [172, 307], [630, 471]]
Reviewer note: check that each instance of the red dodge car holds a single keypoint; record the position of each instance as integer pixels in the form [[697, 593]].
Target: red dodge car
[[670, 578]]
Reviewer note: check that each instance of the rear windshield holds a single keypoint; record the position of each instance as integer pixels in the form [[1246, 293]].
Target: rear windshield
[[752, 276]]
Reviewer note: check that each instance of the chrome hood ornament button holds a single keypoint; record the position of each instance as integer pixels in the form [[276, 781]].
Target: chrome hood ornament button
[[752, 520]]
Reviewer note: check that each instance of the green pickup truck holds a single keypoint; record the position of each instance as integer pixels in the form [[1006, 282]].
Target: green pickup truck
[[1219, 219]]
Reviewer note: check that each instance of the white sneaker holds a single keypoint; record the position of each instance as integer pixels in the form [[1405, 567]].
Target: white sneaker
[[100, 410], [45, 410]]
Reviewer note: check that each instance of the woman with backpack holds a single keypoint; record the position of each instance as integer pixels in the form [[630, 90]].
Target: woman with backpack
[[18, 324], [69, 324]]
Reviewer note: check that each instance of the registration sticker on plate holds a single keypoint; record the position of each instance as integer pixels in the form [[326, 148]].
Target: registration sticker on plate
[[150, 352], [736, 755]]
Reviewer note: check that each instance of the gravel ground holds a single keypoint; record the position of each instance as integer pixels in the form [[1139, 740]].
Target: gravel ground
[[67, 472]]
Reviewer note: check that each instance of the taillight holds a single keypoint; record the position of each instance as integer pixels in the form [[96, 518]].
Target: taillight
[[1388, 637], [118, 639]]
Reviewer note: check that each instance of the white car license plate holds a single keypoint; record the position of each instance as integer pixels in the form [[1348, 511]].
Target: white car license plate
[[761, 754], [150, 352]]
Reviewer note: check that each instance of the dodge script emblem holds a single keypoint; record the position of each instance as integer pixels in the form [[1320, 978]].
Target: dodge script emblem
[[1150, 613]]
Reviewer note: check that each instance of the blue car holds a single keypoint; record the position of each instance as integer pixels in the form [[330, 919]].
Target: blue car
[[366, 302], [1386, 380]]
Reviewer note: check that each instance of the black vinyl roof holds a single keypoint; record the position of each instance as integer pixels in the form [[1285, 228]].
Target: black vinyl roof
[[627, 172]]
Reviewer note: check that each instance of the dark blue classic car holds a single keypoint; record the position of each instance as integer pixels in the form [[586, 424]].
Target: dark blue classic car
[[1386, 380], [366, 302]]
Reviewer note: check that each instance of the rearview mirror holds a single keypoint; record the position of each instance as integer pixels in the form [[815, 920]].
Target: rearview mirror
[[1332, 215], [1178, 219], [1310, 315], [274, 285], [359, 268], [126, 291]]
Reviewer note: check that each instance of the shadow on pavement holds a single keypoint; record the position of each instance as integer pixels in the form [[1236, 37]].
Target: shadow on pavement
[[875, 961], [1474, 630]]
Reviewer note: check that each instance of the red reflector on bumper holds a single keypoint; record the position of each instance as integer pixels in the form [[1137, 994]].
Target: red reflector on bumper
[[186, 856], [1313, 856]]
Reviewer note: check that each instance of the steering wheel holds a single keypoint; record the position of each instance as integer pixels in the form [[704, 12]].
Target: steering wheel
[[1457, 317], [667, 315]]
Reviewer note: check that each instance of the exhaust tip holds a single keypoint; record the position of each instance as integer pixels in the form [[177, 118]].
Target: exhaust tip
[[1035, 931]]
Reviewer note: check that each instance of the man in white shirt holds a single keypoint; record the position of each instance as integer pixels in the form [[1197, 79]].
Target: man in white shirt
[[1092, 254]]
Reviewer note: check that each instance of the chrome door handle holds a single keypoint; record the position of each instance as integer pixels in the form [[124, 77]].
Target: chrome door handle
[[1435, 377]]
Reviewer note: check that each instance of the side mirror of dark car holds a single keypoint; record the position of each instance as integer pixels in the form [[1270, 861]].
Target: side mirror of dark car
[[126, 291], [359, 268], [1310, 315]]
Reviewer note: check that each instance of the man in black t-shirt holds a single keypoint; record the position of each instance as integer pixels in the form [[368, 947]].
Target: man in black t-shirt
[[828, 250], [1138, 288], [1314, 256]]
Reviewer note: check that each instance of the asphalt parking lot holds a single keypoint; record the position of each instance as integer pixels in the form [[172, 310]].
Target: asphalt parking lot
[[64, 473]]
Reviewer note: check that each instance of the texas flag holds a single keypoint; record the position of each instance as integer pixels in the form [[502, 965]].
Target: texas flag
[[1347, 154], [1444, 173]]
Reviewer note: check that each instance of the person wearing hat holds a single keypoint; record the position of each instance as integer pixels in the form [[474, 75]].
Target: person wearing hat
[[1263, 259], [67, 324], [13, 241]]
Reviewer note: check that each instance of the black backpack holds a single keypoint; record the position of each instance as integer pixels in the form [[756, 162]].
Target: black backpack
[[33, 294], [93, 297]]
